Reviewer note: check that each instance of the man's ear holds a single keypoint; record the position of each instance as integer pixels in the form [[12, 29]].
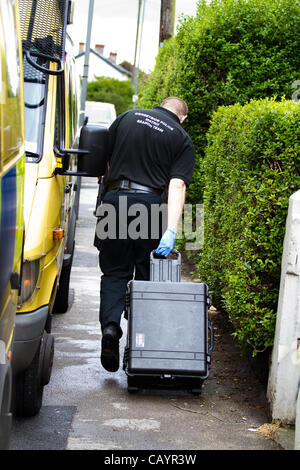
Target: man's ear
[[182, 118]]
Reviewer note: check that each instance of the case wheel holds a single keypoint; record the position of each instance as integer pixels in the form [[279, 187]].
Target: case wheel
[[132, 386], [196, 388]]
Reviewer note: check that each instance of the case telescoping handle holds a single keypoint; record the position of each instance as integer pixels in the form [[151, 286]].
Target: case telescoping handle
[[165, 269], [154, 255]]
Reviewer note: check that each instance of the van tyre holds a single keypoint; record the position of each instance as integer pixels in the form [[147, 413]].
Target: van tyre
[[29, 388], [61, 303], [5, 405], [47, 355]]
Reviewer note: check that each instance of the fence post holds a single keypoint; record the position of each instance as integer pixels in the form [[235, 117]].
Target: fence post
[[284, 374]]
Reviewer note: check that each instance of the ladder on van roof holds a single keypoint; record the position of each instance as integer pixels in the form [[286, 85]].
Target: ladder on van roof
[[43, 26]]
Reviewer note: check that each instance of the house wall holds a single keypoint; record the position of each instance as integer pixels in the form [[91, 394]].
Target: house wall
[[99, 68]]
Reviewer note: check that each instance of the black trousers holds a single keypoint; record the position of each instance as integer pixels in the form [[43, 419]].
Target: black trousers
[[123, 258]]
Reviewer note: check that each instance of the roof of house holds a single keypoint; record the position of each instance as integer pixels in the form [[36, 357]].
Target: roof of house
[[109, 62]]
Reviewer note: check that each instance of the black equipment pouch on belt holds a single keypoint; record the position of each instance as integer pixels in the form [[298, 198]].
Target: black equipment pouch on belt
[[101, 192]]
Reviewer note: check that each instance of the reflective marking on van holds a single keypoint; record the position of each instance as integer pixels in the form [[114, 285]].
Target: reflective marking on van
[[2, 352], [7, 226]]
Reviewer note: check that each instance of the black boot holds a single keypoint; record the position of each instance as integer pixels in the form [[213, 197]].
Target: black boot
[[110, 348]]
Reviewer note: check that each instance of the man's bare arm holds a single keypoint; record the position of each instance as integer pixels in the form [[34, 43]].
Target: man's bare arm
[[176, 200]]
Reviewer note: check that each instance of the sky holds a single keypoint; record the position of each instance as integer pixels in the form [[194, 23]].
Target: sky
[[115, 23]]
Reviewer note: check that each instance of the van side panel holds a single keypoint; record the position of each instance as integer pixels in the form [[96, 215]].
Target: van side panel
[[49, 208], [12, 164], [12, 161]]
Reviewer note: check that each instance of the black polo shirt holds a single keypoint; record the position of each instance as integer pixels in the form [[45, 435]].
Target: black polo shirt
[[149, 147]]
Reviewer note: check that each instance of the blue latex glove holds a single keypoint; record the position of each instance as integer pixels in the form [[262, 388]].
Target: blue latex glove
[[166, 243]]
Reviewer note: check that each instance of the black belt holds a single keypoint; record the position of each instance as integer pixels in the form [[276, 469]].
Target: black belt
[[126, 185]]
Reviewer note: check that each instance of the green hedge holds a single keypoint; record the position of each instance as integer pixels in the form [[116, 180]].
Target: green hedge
[[251, 167], [111, 90], [231, 51]]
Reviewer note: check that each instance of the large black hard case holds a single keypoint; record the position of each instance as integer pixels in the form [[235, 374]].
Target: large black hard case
[[169, 336]]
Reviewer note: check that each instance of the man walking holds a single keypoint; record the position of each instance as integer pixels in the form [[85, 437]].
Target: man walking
[[150, 156]]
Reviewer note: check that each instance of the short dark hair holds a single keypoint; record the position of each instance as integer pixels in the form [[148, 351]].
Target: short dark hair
[[177, 104]]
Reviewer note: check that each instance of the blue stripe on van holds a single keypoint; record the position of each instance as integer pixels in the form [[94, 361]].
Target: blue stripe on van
[[7, 226]]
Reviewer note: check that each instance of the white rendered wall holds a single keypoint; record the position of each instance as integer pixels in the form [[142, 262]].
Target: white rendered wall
[[99, 68], [284, 378], [297, 425]]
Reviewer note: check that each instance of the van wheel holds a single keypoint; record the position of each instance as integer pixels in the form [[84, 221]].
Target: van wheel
[[5, 406], [61, 303], [29, 388], [47, 355]]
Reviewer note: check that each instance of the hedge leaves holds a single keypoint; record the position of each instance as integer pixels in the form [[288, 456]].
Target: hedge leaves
[[231, 51], [252, 167]]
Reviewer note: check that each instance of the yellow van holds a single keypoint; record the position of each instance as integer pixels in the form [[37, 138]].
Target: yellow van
[[12, 164], [50, 204], [53, 164]]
